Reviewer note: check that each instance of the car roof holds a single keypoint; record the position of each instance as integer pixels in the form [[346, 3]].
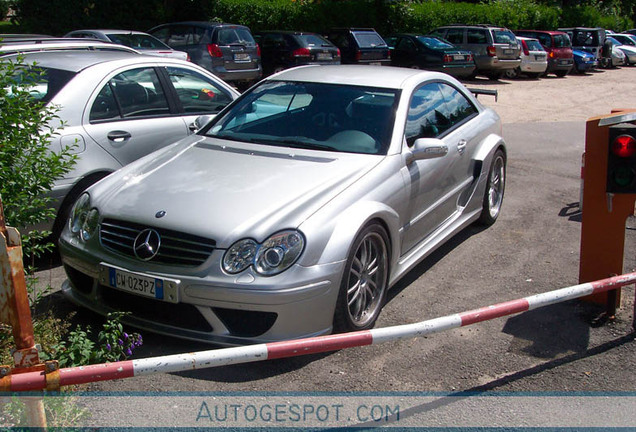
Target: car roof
[[75, 61], [111, 31], [527, 38], [359, 75], [200, 24]]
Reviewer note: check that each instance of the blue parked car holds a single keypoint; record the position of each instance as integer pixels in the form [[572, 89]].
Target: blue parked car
[[583, 61]]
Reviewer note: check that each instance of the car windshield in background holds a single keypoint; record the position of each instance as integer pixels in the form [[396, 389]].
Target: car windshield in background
[[504, 36], [562, 41], [137, 41], [369, 40], [434, 43], [43, 83], [341, 118]]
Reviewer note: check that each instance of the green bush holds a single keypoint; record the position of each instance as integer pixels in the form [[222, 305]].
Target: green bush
[[4, 9], [28, 168]]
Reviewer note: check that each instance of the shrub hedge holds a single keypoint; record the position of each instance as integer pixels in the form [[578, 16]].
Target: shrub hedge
[[310, 15]]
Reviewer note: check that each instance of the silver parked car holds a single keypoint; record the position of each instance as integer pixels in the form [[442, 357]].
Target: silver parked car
[[118, 107], [142, 42], [293, 211]]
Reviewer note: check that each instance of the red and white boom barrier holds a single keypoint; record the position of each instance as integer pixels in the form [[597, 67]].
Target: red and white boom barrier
[[30, 381]]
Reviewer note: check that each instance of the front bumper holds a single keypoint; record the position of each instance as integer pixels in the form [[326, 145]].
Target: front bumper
[[221, 309]]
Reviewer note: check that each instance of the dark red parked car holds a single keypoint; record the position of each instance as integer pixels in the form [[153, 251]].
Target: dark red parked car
[[558, 46]]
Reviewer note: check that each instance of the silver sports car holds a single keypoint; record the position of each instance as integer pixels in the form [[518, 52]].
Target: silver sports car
[[293, 211]]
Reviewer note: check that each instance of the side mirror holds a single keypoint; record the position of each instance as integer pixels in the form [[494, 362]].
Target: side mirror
[[200, 121], [428, 148]]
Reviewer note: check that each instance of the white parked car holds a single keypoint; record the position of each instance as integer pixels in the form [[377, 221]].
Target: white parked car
[[534, 59], [117, 107]]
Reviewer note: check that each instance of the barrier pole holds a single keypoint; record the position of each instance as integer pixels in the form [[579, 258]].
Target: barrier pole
[[32, 381], [15, 311]]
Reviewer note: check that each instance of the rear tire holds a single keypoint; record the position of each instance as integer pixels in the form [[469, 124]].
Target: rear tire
[[364, 281], [512, 73], [495, 187]]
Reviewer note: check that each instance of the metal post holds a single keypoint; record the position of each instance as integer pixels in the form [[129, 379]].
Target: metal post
[[15, 311]]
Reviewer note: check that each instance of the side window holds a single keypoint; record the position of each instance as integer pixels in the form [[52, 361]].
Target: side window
[[406, 45], [179, 36], [426, 118], [272, 40], [104, 107], [476, 36], [137, 93], [455, 36], [457, 107], [197, 93]]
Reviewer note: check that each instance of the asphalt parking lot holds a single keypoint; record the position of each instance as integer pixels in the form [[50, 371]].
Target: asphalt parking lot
[[533, 248]]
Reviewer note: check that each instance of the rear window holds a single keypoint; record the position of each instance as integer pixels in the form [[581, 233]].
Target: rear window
[[561, 41], [313, 40], [503, 36], [43, 83], [534, 45], [235, 36], [434, 43], [369, 40]]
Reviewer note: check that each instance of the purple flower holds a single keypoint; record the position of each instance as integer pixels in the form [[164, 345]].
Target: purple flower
[[128, 352], [125, 335], [120, 342], [108, 347]]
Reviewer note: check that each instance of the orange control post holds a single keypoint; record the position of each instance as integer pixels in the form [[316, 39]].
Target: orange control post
[[609, 194]]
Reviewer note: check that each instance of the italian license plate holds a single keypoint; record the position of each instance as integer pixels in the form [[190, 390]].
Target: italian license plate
[[244, 57], [539, 57], [324, 56], [458, 57], [507, 51], [375, 64], [563, 62], [139, 284]]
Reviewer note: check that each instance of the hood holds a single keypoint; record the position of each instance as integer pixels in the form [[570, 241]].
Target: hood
[[227, 191]]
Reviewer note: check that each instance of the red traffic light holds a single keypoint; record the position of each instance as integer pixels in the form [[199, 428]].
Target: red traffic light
[[624, 146]]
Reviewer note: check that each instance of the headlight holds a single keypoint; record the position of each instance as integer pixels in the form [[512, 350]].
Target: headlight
[[84, 220], [273, 256], [240, 256]]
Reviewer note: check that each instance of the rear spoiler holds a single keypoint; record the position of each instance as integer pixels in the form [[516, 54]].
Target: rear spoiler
[[478, 92]]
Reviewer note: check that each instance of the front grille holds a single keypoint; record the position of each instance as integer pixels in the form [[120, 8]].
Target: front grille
[[176, 248]]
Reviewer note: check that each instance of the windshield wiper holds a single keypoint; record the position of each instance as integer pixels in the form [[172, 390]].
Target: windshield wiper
[[292, 143]]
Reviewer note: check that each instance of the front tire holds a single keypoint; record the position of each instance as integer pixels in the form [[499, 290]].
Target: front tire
[[364, 281], [495, 187]]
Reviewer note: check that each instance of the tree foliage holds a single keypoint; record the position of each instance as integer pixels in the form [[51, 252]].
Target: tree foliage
[[28, 168]]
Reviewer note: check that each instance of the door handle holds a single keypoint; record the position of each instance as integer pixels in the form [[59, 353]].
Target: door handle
[[118, 136], [461, 146]]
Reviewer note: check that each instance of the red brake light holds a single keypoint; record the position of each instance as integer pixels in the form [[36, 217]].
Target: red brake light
[[214, 50], [448, 58], [358, 55], [258, 50], [491, 51], [338, 52], [301, 52], [526, 51], [624, 146]]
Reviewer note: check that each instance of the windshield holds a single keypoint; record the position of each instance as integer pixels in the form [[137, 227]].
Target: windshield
[[312, 40], [434, 43], [42, 83], [534, 45], [316, 116]]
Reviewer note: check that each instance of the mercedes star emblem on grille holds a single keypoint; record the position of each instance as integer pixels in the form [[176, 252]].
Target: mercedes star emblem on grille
[[147, 244]]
